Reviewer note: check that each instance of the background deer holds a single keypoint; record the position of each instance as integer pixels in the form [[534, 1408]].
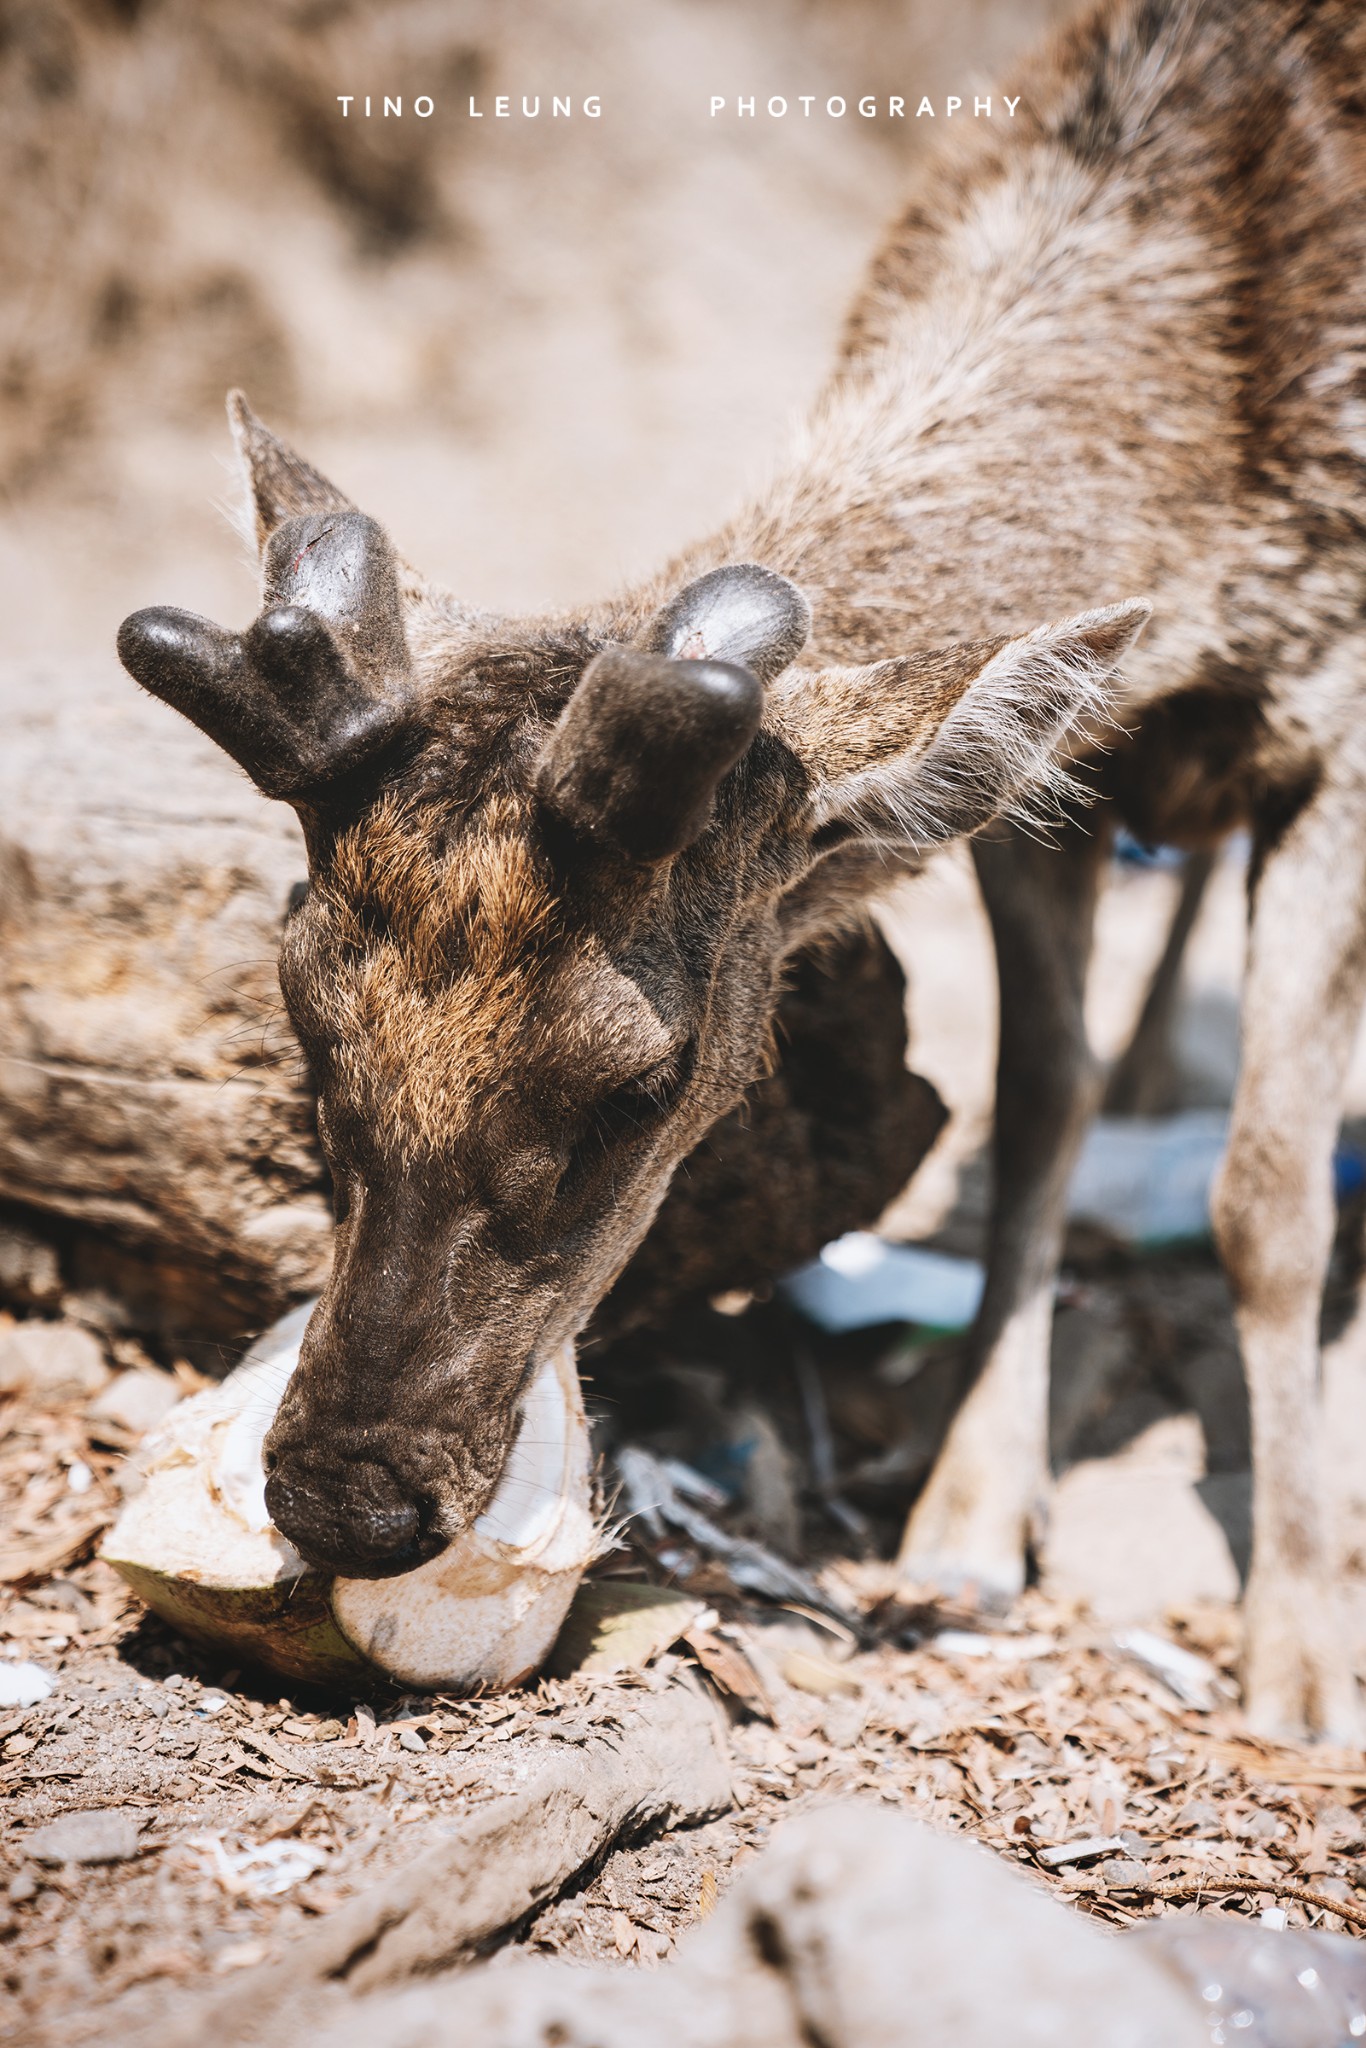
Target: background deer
[[560, 869]]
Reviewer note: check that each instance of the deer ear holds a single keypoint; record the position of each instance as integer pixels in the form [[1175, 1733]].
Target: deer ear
[[742, 614], [282, 485], [930, 747]]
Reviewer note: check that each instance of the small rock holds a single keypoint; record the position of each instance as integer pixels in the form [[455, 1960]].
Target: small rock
[[29, 1273], [50, 1362], [843, 1722], [1125, 1873], [1255, 1827], [1200, 1817], [22, 1887], [135, 1402], [101, 1834]]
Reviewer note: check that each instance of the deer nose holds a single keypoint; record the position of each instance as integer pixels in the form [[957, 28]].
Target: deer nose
[[357, 1521]]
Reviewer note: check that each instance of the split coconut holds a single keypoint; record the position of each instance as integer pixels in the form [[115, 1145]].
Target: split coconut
[[197, 1545]]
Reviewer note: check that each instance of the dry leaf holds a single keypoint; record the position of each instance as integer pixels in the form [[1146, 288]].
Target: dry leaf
[[727, 1663], [816, 1675]]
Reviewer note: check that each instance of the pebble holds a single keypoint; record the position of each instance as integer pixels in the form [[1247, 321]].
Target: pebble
[[100, 1834], [136, 1402], [51, 1361]]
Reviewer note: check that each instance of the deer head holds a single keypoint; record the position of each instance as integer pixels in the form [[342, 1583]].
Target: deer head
[[555, 871]]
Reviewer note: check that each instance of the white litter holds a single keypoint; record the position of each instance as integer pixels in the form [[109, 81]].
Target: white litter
[[861, 1279], [1193, 1679], [1082, 1852], [24, 1685], [266, 1871], [962, 1642], [1147, 1180]]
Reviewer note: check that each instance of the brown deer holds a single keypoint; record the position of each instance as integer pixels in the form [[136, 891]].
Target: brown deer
[[560, 869]]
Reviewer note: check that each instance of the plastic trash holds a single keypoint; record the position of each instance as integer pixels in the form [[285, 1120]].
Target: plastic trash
[[1264, 1988], [961, 1642], [266, 1871], [861, 1279], [1146, 1180], [1193, 1679]]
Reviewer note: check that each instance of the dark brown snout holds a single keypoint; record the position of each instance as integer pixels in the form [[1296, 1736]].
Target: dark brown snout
[[357, 1520]]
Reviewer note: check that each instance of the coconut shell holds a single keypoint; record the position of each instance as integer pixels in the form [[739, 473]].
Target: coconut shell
[[196, 1544]]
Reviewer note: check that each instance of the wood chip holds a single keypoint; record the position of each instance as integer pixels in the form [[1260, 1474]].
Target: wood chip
[[41, 1555], [727, 1663], [1082, 1852], [286, 1761]]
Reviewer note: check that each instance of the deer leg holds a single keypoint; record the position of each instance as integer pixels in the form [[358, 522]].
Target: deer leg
[[970, 1527], [1142, 1079], [1274, 1222]]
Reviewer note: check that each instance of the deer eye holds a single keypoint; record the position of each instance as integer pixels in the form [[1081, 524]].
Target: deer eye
[[657, 1089], [632, 1107]]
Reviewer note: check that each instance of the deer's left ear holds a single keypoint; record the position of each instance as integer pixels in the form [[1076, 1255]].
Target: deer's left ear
[[281, 483], [740, 613], [927, 748]]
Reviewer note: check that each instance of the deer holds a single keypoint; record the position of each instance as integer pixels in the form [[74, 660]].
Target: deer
[[1105, 373]]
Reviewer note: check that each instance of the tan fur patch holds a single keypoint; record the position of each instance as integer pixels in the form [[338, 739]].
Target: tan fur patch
[[436, 957]]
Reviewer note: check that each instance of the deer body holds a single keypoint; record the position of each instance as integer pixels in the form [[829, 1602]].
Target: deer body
[[559, 870]]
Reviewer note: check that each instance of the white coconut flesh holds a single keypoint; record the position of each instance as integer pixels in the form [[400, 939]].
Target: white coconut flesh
[[200, 1513], [485, 1612]]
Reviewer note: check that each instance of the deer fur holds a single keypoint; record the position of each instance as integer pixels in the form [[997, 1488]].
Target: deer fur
[[1117, 349], [560, 872]]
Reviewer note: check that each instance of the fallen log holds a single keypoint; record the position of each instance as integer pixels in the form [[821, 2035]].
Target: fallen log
[[857, 1928], [658, 1761], [152, 1107]]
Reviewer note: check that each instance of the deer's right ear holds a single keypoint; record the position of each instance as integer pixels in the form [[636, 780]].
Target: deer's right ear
[[281, 484], [929, 747]]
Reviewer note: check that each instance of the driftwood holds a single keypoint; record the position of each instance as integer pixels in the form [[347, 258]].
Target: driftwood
[[856, 1929], [658, 1762], [154, 1113]]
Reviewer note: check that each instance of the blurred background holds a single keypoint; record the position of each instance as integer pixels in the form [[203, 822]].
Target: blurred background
[[544, 352]]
